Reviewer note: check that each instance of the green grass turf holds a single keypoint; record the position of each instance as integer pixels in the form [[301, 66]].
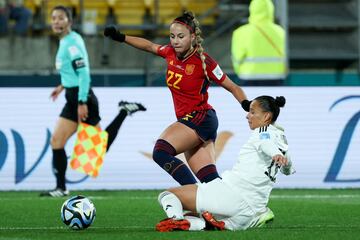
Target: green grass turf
[[299, 214]]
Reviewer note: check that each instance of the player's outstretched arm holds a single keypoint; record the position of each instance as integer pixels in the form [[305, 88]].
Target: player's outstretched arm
[[112, 32], [237, 92]]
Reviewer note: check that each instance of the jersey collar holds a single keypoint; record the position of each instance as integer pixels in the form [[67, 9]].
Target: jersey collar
[[190, 55]]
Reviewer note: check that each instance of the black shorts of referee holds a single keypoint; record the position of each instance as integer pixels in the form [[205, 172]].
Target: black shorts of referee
[[69, 111]]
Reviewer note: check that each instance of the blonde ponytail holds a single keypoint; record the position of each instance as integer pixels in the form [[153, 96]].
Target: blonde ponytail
[[198, 41], [188, 18]]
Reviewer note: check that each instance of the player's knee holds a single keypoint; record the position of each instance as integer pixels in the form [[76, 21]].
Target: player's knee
[[56, 142], [161, 148], [162, 151]]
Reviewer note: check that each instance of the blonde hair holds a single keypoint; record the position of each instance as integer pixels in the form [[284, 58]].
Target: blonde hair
[[188, 18], [200, 50]]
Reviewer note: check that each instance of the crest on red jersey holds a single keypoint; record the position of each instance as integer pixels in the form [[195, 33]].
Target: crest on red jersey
[[189, 69]]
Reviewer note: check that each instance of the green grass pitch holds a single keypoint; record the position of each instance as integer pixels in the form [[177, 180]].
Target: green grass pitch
[[299, 214]]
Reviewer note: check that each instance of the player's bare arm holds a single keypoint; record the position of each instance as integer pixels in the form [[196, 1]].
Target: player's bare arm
[[142, 44], [112, 32], [235, 90]]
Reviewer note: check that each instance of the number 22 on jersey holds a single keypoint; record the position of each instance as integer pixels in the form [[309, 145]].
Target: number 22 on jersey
[[173, 79]]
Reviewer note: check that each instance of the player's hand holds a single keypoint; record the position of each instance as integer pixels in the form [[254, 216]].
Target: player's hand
[[245, 104], [280, 160], [55, 93], [82, 112], [112, 32]]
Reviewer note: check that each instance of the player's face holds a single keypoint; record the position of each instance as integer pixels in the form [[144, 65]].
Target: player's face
[[256, 116], [181, 38], [60, 23]]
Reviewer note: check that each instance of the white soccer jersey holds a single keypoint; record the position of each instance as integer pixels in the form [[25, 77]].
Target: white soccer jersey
[[254, 173]]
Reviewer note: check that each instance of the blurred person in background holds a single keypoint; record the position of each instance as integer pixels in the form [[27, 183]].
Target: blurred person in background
[[239, 199], [81, 103], [14, 10], [190, 71], [258, 48]]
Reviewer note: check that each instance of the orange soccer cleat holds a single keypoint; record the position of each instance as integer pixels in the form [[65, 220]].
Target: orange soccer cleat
[[212, 223], [170, 224]]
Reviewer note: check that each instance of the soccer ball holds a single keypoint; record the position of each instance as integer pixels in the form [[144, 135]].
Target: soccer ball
[[78, 212]]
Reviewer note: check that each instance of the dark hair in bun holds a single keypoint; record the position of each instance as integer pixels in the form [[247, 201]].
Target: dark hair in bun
[[280, 101], [270, 104]]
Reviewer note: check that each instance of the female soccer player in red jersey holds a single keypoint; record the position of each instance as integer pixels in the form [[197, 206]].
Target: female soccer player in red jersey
[[189, 73]]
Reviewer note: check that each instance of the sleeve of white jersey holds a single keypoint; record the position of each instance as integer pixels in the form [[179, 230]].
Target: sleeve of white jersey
[[268, 147], [288, 169], [266, 143]]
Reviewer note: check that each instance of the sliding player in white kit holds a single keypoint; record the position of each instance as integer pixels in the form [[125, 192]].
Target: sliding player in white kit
[[239, 199]]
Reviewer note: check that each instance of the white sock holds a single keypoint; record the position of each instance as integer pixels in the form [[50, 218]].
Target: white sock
[[196, 224], [171, 205]]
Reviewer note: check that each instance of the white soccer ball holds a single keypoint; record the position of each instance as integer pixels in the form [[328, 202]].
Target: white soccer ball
[[78, 212]]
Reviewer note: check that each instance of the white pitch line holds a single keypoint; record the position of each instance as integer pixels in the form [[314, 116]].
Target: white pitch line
[[66, 228], [131, 198], [152, 228], [272, 196], [315, 196], [91, 197]]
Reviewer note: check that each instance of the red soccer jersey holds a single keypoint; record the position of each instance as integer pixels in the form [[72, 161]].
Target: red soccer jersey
[[187, 81]]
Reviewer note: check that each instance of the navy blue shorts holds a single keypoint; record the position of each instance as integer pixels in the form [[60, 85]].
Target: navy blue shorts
[[69, 111], [205, 123]]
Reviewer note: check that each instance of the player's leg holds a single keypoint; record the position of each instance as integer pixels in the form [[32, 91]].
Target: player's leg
[[176, 139], [131, 107], [201, 160], [173, 202], [215, 196], [125, 109], [64, 129], [246, 218]]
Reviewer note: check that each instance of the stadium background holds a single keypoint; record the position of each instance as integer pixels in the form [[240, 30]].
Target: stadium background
[[321, 114], [321, 119]]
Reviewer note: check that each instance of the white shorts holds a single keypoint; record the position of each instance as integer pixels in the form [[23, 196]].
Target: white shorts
[[225, 203]]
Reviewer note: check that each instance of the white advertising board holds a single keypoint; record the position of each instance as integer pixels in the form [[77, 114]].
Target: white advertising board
[[321, 125]]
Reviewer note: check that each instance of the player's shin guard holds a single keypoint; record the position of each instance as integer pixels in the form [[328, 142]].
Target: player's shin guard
[[163, 155], [59, 167], [207, 173]]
